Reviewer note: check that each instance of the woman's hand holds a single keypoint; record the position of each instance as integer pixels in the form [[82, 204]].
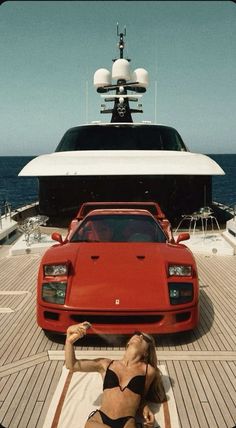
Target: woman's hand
[[75, 332], [148, 416]]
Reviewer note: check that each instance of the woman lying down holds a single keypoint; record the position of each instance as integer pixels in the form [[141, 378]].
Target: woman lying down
[[127, 383]]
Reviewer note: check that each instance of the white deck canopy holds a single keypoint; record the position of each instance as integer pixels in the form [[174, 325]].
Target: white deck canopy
[[121, 162]]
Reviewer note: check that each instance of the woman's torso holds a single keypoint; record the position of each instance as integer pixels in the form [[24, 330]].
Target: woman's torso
[[123, 388]]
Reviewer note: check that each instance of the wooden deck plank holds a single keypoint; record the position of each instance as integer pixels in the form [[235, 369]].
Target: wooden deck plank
[[19, 406], [196, 381], [210, 417], [12, 399], [177, 389], [201, 364], [27, 406], [192, 393], [229, 396], [22, 364], [6, 385], [32, 334], [230, 373], [34, 418], [162, 355], [48, 371], [14, 349], [223, 309], [188, 393], [52, 387], [215, 399], [224, 290], [221, 304]]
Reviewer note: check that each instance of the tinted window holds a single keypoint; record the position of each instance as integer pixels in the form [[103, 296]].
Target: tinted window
[[131, 137], [119, 228]]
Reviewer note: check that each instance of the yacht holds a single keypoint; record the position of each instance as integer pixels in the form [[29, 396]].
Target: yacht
[[198, 367], [122, 160]]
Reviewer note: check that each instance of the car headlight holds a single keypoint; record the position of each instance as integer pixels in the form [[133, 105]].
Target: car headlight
[[180, 292], [54, 292], [180, 270], [60, 269]]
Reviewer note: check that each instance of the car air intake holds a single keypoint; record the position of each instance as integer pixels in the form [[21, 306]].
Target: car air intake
[[117, 319]]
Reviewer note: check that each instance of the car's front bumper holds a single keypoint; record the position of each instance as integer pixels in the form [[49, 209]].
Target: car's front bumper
[[172, 321]]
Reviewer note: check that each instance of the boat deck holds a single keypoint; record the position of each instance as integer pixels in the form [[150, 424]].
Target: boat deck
[[201, 364]]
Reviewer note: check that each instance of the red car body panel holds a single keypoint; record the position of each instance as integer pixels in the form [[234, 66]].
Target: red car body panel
[[119, 286]]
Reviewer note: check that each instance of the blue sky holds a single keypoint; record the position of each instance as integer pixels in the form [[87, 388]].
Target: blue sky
[[50, 50]]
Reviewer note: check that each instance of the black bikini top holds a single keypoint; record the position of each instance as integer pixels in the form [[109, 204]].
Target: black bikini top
[[136, 384]]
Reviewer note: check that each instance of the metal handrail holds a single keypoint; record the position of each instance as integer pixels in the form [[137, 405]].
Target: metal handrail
[[6, 209]]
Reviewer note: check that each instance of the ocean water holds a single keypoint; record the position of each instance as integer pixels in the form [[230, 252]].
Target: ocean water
[[224, 186], [19, 191]]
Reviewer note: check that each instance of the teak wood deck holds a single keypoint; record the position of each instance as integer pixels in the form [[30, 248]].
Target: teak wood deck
[[201, 364]]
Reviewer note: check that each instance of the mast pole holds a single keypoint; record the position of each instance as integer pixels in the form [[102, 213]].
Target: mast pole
[[121, 41]]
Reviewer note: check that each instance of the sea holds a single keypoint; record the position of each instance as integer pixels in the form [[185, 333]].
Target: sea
[[19, 191]]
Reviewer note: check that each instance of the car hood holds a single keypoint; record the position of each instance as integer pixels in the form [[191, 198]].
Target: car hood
[[119, 276]]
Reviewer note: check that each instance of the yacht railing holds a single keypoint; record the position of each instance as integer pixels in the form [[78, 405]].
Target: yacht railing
[[5, 212], [234, 210]]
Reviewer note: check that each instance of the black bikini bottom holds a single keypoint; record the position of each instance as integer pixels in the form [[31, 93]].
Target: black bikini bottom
[[113, 423]]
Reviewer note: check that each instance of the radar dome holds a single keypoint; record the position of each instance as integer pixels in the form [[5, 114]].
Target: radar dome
[[140, 75], [121, 70], [102, 77]]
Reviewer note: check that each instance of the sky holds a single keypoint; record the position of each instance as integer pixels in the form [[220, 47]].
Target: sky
[[49, 51]]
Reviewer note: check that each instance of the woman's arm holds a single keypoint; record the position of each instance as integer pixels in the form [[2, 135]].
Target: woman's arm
[[146, 413], [75, 332]]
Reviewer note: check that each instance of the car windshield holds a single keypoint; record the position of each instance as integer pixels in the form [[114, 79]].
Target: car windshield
[[121, 137], [119, 228]]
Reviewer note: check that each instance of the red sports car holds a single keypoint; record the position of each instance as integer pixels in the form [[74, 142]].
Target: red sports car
[[119, 270]]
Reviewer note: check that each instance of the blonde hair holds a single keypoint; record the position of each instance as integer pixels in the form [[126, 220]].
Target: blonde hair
[[156, 392]]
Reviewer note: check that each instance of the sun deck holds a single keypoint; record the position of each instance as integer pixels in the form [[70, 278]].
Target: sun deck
[[201, 364]]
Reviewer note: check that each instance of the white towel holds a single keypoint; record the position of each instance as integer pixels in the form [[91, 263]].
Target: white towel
[[78, 394]]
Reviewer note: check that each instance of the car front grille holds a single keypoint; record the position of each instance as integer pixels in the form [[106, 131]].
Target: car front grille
[[117, 319]]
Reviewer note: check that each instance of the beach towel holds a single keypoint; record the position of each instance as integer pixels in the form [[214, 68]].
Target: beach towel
[[78, 394]]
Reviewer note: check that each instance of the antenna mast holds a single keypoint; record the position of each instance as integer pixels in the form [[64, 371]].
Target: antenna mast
[[136, 82], [121, 43]]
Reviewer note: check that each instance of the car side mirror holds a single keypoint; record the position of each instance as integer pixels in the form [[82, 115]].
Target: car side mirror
[[182, 237], [57, 237]]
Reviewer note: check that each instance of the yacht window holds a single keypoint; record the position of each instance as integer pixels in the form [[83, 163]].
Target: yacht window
[[121, 137]]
